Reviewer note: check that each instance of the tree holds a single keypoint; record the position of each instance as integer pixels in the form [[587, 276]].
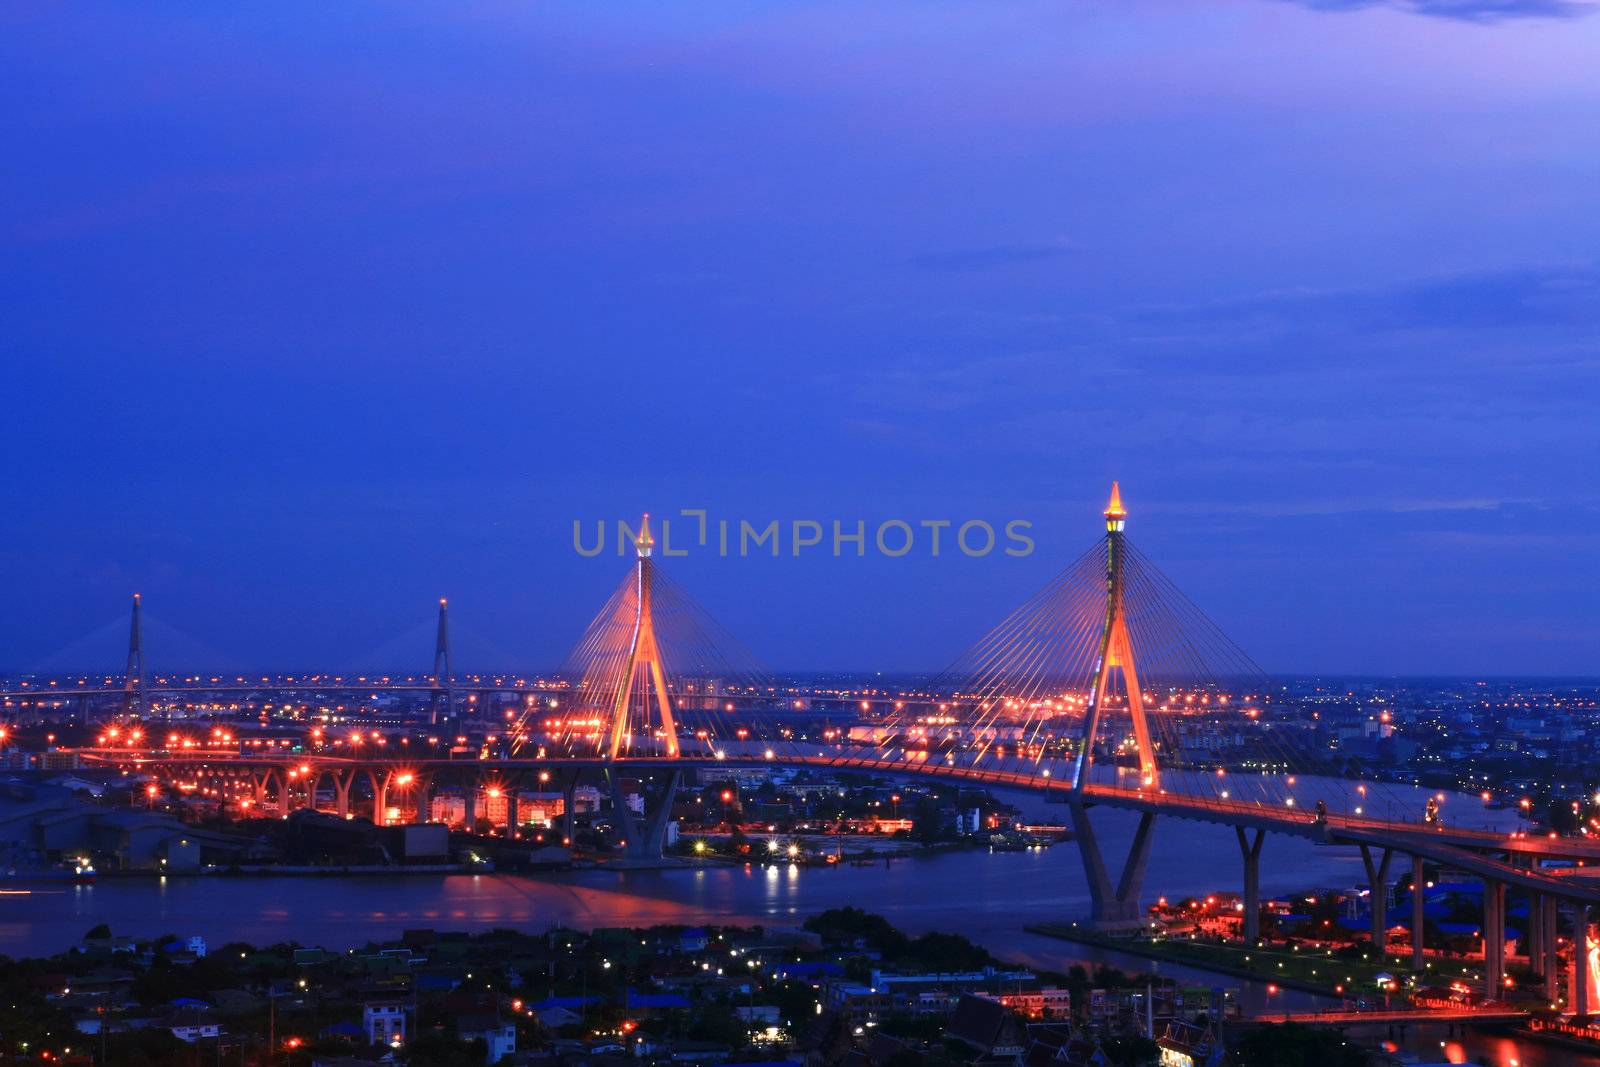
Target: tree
[[1131, 1050], [945, 952], [1296, 1045], [434, 1049]]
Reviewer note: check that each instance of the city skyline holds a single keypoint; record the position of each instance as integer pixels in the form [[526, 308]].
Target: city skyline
[[319, 316]]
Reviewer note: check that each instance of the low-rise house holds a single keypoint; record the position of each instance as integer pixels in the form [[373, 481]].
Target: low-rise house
[[499, 1036], [384, 1022], [986, 1026]]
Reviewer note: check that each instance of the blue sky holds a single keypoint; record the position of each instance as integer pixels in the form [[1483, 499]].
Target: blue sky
[[312, 313]]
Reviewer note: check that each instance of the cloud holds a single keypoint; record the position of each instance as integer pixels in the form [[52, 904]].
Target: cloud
[[1481, 11], [1517, 298], [994, 256]]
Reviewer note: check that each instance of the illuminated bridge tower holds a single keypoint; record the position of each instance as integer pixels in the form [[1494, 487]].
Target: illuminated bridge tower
[[133, 696], [641, 663], [443, 676], [1116, 653], [1114, 904]]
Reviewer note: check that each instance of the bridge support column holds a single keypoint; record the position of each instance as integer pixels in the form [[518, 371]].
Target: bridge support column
[[513, 813], [1250, 849], [1494, 939], [1378, 879], [424, 797], [342, 781], [469, 811], [569, 803], [1579, 986], [1112, 906], [621, 814], [380, 796], [258, 789], [1533, 933], [1419, 900], [1550, 964], [653, 841]]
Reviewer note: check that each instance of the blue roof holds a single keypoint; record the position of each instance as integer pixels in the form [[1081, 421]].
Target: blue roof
[[189, 1002], [656, 1000], [565, 1002], [346, 1029]]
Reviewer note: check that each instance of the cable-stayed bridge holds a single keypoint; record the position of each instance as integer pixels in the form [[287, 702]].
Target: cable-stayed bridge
[[1108, 688]]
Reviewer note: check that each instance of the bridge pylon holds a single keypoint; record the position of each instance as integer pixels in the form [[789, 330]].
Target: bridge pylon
[[1114, 904], [1116, 653], [133, 694], [443, 676], [642, 661]]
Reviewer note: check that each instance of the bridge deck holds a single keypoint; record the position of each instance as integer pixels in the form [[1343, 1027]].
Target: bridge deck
[[1470, 850]]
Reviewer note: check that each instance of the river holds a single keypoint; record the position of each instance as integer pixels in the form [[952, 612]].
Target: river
[[988, 897]]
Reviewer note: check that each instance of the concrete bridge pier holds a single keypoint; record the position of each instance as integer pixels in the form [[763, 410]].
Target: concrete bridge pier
[[469, 811], [623, 815], [342, 781], [380, 795], [424, 797], [1533, 934], [645, 838], [261, 788], [1250, 850], [1378, 879], [1419, 900], [1112, 906], [569, 801], [654, 839], [1494, 939], [1550, 948], [1578, 912]]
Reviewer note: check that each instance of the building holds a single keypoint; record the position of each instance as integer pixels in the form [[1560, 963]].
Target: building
[[384, 1022], [191, 1025], [858, 1004], [1038, 1003], [986, 1025], [499, 1038]]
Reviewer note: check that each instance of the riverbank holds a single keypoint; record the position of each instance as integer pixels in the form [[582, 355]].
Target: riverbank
[[1320, 972]]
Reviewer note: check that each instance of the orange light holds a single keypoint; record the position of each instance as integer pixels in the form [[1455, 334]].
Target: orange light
[[1114, 508]]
